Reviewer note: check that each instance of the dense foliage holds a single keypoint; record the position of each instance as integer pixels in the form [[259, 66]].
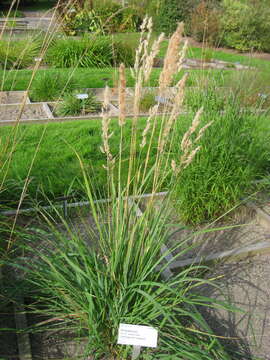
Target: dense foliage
[[240, 24], [89, 52], [105, 17], [234, 151], [170, 13]]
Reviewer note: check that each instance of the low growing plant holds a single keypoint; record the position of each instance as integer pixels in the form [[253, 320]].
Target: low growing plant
[[233, 153], [147, 101], [12, 14], [72, 105], [51, 86], [93, 52], [18, 54]]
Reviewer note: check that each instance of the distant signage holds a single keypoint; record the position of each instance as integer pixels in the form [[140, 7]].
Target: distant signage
[[161, 99], [82, 96]]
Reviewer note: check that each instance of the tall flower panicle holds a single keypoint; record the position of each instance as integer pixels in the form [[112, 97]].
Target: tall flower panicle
[[152, 113], [106, 135], [188, 147], [171, 60], [122, 95]]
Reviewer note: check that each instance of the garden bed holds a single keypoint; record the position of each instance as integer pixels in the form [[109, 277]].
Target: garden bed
[[62, 344], [13, 112], [13, 97]]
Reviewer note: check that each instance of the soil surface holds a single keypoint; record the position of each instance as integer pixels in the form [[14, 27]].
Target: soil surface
[[246, 285], [240, 229], [12, 97], [13, 113]]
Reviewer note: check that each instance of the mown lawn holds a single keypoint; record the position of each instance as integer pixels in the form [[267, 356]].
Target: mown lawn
[[53, 146], [93, 78], [56, 168]]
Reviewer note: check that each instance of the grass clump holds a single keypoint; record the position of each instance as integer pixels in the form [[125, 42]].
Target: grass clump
[[73, 105], [85, 52], [147, 101], [114, 272], [51, 86], [233, 153], [110, 276], [18, 54]]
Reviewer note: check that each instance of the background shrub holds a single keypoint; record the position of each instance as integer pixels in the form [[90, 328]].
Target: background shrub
[[106, 17], [12, 13], [169, 13], [251, 88], [147, 101], [246, 25], [204, 24]]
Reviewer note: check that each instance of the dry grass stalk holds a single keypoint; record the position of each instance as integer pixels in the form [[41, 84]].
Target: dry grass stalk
[[141, 47], [175, 111], [149, 60], [106, 135], [182, 55], [187, 145], [122, 95], [171, 59], [152, 113], [202, 130], [140, 67]]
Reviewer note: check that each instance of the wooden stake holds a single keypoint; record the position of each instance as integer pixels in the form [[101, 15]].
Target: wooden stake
[[136, 352]]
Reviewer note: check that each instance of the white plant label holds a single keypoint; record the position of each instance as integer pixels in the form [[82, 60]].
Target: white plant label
[[38, 59], [137, 335], [82, 96]]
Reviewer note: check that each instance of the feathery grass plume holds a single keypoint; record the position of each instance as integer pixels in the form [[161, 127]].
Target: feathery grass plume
[[182, 55], [149, 60], [106, 135], [122, 95], [140, 60], [152, 113], [187, 145], [137, 73], [171, 61], [174, 113]]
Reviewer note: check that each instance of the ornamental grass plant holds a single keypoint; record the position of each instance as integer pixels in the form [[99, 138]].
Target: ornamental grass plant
[[234, 153], [114, 273], [87, 283]]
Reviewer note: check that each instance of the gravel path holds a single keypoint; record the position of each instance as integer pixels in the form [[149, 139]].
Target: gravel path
[[247, 286]]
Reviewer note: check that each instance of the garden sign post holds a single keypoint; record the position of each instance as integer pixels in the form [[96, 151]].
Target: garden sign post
[[82, 97], [137, 336]]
